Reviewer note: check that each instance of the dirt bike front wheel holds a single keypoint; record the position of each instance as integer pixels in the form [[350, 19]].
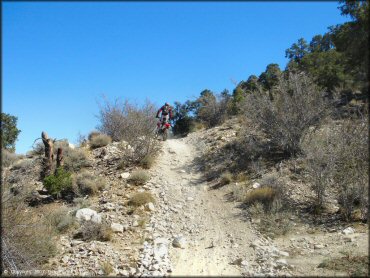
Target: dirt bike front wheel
[[165, 134]]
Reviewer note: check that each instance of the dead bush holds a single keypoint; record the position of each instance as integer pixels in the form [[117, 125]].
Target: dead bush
[[320, 163], [337, 155], [61, 220], [285, 115], [23, 165], [275, 224], [139, 177], [94, 231], [8, 158], [81, 202], [99, 140], [75, 159], [131, 123], [27, 241], [141, 198], [89, 184]]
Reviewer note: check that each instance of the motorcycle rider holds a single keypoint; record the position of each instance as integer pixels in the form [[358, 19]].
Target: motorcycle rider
[[166, 114]]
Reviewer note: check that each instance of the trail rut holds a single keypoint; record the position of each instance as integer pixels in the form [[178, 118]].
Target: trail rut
[[215, 233]]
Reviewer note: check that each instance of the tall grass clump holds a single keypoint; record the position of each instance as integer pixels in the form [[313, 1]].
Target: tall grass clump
[[139, 177], [99, 140], [141, 198], [27, 240], [88, 184]]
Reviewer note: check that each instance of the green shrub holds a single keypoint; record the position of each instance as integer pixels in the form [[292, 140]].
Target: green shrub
[[140, 199], [100, 140], [184, 125], [59, 183], [139, 177], [88, 184]]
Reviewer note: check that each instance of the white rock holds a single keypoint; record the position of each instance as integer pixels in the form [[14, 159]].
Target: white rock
[[283, 253], [348, 231], [318, 246], [117, 228], [160, 251], [135, 223], [125, 175], [282, 262], [150, 206], [190, 199], [160, 240], [256, 185], [86, 214], [179, 242], [244, 263]]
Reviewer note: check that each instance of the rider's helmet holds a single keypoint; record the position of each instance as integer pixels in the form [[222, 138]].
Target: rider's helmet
[[166, 104]]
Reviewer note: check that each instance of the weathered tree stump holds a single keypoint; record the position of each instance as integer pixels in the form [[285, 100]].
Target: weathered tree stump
[[47, 162], [59, 158]]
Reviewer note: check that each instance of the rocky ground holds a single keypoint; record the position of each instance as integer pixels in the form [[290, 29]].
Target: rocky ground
[[193, 227]]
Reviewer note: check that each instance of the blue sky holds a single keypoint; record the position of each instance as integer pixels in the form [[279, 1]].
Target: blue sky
[[59, 58]]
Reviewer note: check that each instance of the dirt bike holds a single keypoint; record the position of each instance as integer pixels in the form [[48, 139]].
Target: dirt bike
[[162, 129]]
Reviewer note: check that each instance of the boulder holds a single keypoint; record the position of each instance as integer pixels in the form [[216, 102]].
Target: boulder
[[86, 214], [348, 231], [117, 228]]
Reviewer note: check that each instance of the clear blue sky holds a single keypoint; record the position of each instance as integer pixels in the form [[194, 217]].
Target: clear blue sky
[[60, 57]]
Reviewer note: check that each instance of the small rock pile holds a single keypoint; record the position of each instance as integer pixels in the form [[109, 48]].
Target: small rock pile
[[270, 261]]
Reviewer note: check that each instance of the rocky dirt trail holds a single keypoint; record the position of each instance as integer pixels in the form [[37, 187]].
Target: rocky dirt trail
[[196, 231]]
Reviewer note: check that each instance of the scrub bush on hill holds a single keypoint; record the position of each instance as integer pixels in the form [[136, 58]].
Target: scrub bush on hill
[[131, 123], [297, 104], [337, 155]]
